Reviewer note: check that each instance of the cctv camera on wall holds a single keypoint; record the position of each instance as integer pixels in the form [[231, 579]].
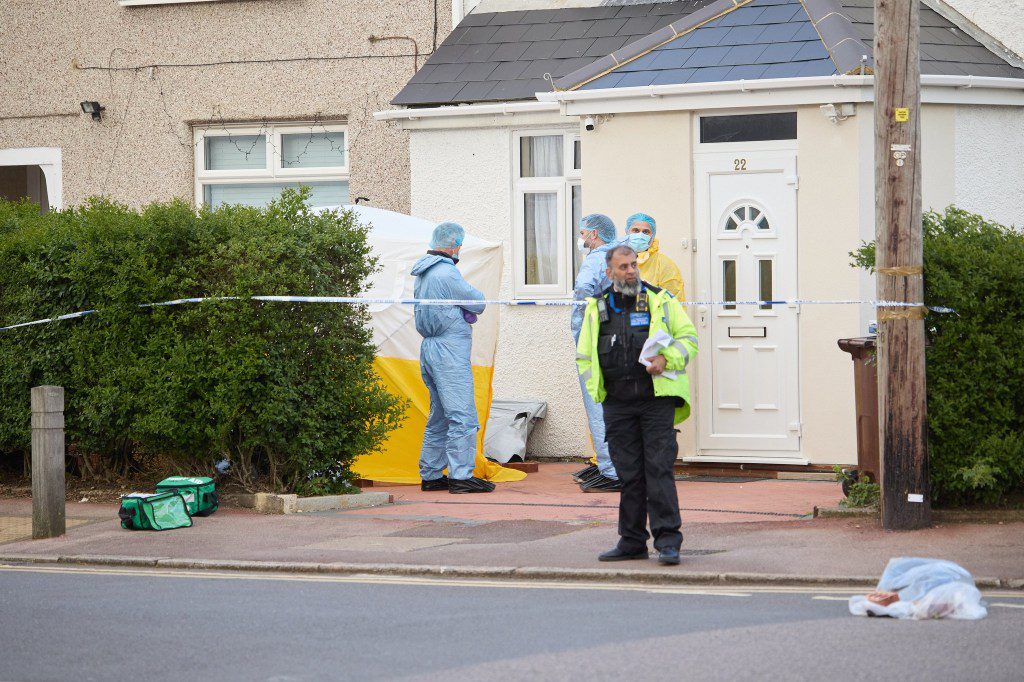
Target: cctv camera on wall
[[588, 123]]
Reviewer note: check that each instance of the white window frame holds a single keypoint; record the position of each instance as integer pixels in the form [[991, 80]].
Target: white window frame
[[273, 172], [561, 186]]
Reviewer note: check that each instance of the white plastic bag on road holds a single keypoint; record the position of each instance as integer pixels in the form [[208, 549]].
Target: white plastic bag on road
[[927, 588]]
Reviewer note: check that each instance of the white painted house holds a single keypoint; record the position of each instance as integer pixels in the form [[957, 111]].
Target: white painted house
[[709, 116]]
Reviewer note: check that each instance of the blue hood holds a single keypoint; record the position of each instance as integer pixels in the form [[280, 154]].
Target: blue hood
[[429, 261]]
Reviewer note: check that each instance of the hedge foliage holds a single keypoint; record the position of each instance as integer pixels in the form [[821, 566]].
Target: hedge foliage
[[285, 391], [975, 357]]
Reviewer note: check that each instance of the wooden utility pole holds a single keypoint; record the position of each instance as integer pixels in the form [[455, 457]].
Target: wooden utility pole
[[902, 405]]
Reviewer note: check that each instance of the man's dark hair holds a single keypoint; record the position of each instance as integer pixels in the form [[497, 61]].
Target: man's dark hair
[[621, 248]]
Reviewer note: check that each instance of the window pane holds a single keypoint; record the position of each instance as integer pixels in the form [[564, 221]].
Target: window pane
[[574, 227], [541, 237], [577, 155], [729, 283], [235, 152], [748, 127], [313, 150], [540, 156], [259, 194], [764, 283]]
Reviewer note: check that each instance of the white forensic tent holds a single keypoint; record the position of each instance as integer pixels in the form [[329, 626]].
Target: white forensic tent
[[399, 240]]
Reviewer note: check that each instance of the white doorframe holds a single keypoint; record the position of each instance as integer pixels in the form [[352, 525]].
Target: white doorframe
[[49, 161], [765, 164]]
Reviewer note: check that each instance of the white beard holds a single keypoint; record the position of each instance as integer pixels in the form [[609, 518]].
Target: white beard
[[627, 289]]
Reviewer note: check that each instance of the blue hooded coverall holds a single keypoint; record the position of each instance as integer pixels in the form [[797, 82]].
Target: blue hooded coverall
[[449, 439], [591, 281]]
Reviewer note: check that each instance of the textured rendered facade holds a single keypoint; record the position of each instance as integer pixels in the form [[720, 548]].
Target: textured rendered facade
[[308, 61]]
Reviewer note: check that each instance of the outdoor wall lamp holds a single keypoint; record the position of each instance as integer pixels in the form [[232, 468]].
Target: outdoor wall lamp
[[93, 108], [838, 112]]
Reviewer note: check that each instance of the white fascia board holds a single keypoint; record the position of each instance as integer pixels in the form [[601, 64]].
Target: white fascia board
[[774, 92], [475, 115]]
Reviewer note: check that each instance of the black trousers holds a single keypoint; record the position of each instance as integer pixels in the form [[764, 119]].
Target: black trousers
[[642, 443]]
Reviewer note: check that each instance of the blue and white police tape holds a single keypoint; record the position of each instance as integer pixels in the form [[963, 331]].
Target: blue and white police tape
[[359, 300]]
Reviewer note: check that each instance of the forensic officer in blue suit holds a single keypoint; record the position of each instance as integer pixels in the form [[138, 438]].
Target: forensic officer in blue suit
[[597, 233], [449, 439]]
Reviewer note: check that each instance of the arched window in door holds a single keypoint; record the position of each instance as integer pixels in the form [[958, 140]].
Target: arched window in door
[[747, 215]]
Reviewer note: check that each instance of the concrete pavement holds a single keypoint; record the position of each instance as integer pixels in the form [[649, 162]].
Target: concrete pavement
[[541, 527]]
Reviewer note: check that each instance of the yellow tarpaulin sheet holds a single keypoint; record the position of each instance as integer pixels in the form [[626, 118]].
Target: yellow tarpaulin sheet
[[398, 241]]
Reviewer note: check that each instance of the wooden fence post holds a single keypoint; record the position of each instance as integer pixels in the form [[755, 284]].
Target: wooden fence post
[[48, 509]]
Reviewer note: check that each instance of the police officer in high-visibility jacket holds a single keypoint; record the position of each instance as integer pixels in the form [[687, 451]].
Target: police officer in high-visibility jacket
[[642, 402]]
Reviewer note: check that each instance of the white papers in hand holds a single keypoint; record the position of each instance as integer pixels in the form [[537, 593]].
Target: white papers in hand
[[657, 341]]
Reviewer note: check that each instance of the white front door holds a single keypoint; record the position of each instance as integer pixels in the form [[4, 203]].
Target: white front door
[[748, 397]]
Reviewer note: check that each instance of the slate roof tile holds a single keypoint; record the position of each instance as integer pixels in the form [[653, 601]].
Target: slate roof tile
[[780, 14], [572, 29], [540, 32], [504, 55], [605, 46], [708, 56], [541, 50], [745, 72], [812, 49], [510, 34], [669, 76], [744, 54], [478, 53], [779, 52], [706, 37], [510, 52], [709, 74], [573, 48], [671, 59], [476, 91], [637, 78], [605, 28], [480, 71], [509, 70]]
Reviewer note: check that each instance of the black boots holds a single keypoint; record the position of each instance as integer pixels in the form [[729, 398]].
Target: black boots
[[618, 555], [601, 484], [434, 484], [469, 485]]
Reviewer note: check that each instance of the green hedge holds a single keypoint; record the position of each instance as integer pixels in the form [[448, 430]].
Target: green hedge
[[975, 357], [286, 391]]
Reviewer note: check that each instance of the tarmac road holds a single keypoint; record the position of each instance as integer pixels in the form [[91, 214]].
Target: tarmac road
[[63, 623]]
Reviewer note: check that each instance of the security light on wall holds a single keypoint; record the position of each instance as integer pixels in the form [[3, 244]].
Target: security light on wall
[[838, 112], [94, 109]]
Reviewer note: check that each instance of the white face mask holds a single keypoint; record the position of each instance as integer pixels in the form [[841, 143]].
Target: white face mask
[[581, 244]]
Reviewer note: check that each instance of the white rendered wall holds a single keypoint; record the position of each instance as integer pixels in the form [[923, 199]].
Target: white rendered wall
[[1004, 21], [465, 175], [989, 171]]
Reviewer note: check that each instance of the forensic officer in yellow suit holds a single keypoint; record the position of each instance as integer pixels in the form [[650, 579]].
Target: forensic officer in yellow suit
[[655, 267], [642, 401]]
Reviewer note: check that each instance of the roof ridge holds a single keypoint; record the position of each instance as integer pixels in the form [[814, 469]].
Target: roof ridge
[[647, 44], [835, 29]]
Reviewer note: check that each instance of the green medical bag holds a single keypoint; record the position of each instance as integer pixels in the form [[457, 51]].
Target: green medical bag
[[198, 491], [154, 511]]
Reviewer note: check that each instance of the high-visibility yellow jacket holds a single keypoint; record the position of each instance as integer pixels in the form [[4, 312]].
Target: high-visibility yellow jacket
[[667, 314], [658, 269]]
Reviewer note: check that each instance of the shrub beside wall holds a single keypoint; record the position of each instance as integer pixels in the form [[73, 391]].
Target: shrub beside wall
[[286, 391], [975, 357]]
